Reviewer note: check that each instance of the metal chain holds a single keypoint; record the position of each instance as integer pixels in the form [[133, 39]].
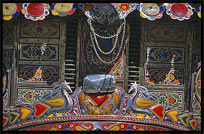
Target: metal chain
[[95, 38], [110, 62]]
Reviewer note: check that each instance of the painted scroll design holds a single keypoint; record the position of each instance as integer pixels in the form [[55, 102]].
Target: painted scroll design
[[36, 74], [162, 76], [165, 55], [33, 52], [166, 33], [45, 29]]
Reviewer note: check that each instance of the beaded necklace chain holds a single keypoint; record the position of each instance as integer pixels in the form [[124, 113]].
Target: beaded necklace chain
[[95, 41]]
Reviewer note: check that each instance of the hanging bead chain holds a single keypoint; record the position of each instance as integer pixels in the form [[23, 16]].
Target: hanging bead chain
[[110, 62], [116, 35], [103, 37]]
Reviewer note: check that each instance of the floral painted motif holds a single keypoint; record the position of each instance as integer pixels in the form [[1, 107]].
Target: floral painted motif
[[124, 7], [164, 76], [28, 96], [165, 55], [34, 52], [31, 73], [39, 29], [170, 100], [166, 33]]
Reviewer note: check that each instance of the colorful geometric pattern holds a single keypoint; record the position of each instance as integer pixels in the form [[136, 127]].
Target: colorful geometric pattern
[[35, 74], [165, 55], [198, 85], [100, 119], [7, 32], [117, 69], [173, 114], [25, 113], [162, 76], [196, 106], [197, 37], [184, 119], [90, 126], [107, 13], [40, 109], [44, 29], [5, 99], [166, 33], [5, 121], [172, 100], [28, 96], [158, 110], [193, 124], [34, 52], [99, 105], [196, 88], [13, 116], [106, 113]]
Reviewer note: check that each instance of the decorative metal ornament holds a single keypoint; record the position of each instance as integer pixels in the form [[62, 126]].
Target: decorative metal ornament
[[179, 11], [62, 9], [198, 11], [35, 11], [11, 10], [151, 11]]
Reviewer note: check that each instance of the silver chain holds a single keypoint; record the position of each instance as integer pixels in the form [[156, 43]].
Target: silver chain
[[110, 62], [96, 41]]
